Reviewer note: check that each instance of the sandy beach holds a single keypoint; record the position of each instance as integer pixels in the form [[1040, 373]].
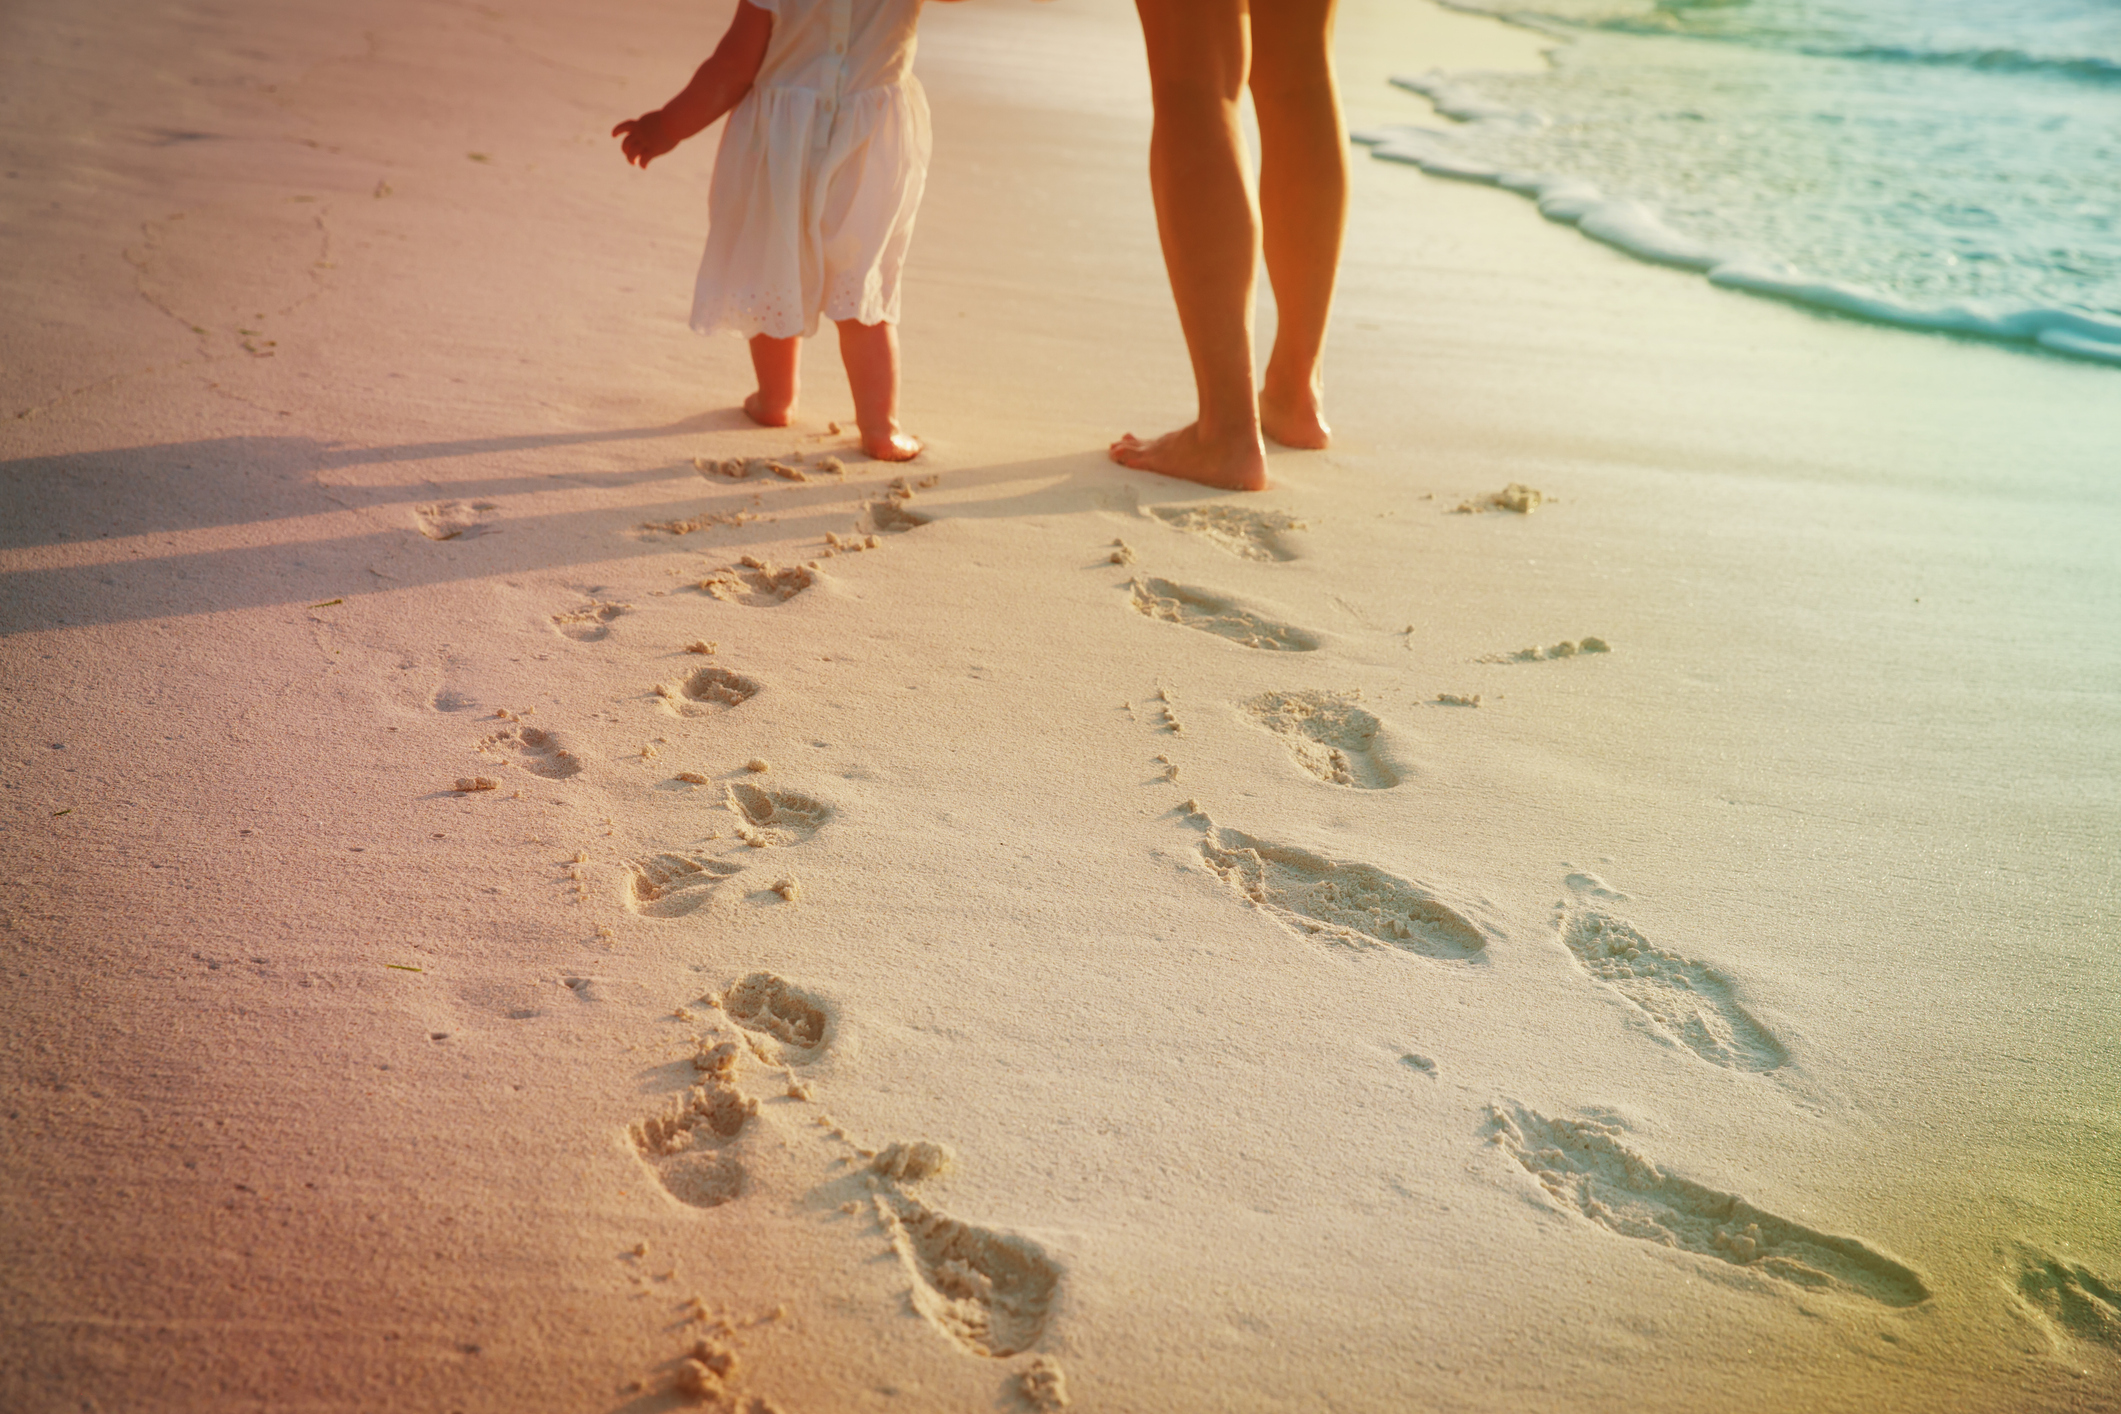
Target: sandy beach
[[1006, 931]]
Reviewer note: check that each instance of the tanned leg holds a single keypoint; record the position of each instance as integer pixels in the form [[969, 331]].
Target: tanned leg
[[774, 361], [1303, 199], [870, 352], [1198, 54]]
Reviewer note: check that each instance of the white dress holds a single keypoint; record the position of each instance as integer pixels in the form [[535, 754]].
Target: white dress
[[819, 174]]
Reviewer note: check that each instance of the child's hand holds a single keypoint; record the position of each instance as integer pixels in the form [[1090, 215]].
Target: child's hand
[[644, 139]]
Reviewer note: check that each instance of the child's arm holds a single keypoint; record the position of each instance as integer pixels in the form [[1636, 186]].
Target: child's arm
[[716, 88]]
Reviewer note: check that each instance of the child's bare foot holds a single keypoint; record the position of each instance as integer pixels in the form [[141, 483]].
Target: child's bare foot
[[1238, 464], [1294, 421], [756, 408], [892, 446]]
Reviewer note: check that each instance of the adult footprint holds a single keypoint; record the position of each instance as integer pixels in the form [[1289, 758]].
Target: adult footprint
[[990, 1292], [774, 817], [688, 1147], [1329, 736], [535, 750], [706, 690], [1584, 1167], [2069, 1296], [1686, 1001], [793, 1020], [590, 622], [672, 885], [1213, 613], [1250, 534], [1346, 903]]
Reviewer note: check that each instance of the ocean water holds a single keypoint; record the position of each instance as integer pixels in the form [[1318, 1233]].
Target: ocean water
[[1942, 164]]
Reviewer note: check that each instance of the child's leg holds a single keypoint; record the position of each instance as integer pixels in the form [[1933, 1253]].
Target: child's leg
[[774, 360], [870, 352]]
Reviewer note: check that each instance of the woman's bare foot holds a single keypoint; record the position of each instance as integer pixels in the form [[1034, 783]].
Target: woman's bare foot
[[1294, 421], [892, 446], [755, 408], [1239, 464]]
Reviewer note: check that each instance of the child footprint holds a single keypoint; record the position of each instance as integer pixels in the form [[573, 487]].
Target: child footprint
[[690, 1147]]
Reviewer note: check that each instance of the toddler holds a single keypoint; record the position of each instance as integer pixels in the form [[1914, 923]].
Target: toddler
[[811, 210]]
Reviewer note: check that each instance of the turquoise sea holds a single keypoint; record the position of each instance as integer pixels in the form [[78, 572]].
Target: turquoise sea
[[1941, 164]]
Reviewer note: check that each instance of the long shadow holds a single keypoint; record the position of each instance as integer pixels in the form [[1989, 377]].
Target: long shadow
[[216, 481], [257, 483]]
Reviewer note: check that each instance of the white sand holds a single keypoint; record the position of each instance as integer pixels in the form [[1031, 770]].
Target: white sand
[[327, 1086]]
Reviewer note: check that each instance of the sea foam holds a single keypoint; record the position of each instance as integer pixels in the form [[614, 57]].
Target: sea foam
[[1634, 226]]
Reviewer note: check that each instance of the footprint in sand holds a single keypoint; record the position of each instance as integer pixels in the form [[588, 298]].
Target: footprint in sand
[[757, 583], [892, 518], [1586, 1169], [592, 621], [454, 520], [794, 1024], [1685, 1000], [688, 1147], [672, 885], [1212, 613], [2069, 1297], [1250, 534], [1343, 903], [990, 1292], [1328, 735], [707, 690], [535, 750], [1567, 648], [774, 817]]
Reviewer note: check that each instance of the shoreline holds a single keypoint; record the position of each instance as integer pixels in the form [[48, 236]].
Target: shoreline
[[1637, 228]]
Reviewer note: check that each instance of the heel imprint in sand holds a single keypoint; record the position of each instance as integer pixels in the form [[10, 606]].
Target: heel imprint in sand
[[672, 885], [1516, 497], [1212, 613], [1352, 904], [704, 691], [989, 1292], [1567, 648], [791, 1022], [757, 583], [2067, 1299], [768, 817], [1585, 1169], [454, 520], [1329, 736], [892, 518], [535, 750], [1237, 530], [688, 524], [1687, 1002], [788, 468], [687, 1147], [591, 622]]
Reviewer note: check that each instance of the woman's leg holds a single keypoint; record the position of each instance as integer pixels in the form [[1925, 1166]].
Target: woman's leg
[[774, 361], [870, 352], [1210, 235], [1303, 199]]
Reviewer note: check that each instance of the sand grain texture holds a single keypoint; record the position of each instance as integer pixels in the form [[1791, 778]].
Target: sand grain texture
[[345, 364]]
